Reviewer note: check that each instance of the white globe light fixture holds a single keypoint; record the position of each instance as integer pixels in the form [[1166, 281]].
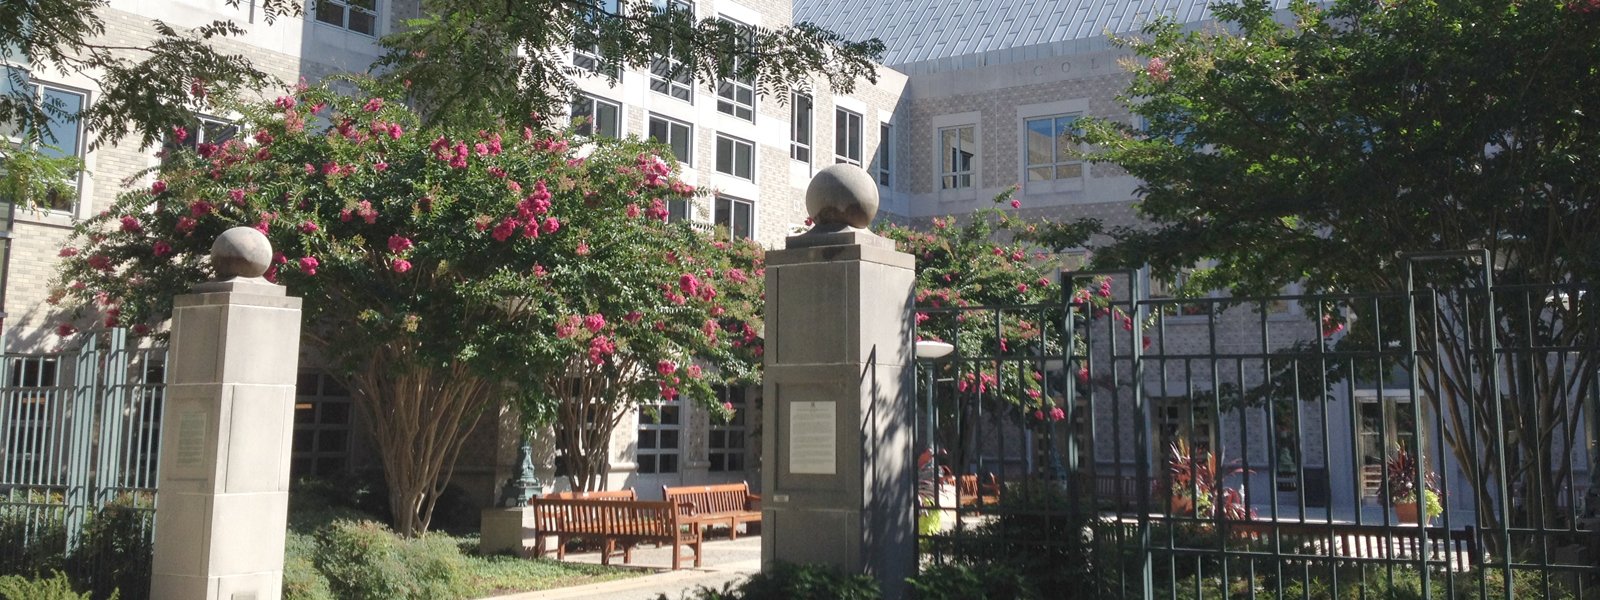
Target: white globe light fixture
[[932, 349]]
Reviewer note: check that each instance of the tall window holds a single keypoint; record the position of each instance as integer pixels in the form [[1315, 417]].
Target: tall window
[[885, 153], [62, 135], [800, 128], [736, 157], [676, 135], [957, 147], [321, 427], [586, 49], [601, 118], [736, 95], [846, 137], [360, 16], [668, 75], [1387, 422], [659, 443], [1049, 149], [210, 131], [726, 447], [736, 215], [679, 210]]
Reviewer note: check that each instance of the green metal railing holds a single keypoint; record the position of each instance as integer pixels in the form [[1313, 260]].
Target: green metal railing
[[1224, 447]]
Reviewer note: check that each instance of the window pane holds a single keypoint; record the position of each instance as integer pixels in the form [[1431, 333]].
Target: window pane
[[608, 119], [841, 133], [1041, 173], [305, 412], [718, 463], [63, 108], [723, 214], [724, 155], [677, 210], [680, 143], [669, 463], [303, 439], [306, 384], [719, 439], [802, 119], [332, 440], [647, 440], [743, 160], [363, 22], [335, 413], [669, 415], [658, 131], [647, 463], [947, 151], [329, 465], [1041, 142], [735, 439], [968, 150], [735, 462], [330, 13], [669, 439], [741, 220], [1065, 171], [1064, 129], [583, 109]]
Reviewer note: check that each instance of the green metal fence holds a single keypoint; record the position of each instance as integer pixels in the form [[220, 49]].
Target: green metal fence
[[79, 439], [1434, 441]]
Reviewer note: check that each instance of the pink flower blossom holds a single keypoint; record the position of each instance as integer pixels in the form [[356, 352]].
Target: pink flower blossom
[[727, 406], [504, 229], [1022, 288], [1083, 375], [1157, 70], [158, 187], [68, 251], [373, 105], [263, 137], [689, 284], [65, 329], [308, 227], [185, 224], [666, 367], [309, 264], [538, 270], [1056, 414], [1015, 203], [100, 262], [395, 131], [632, 318], [401, 266], [694, 371], [583, 249], [399, 243], [285, 102], [271, 274], [594, 323], [179, 134], [141, 329], [1038, 414], [380, 166], [738, 275], [131, 224], [161, 249], [633, 210], [530, 229], [551, 225], [237, 196], [262, 226], [368, 214], [344, 215]]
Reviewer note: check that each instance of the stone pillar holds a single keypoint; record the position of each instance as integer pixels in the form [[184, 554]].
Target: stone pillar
[[838, 475], [226, 430]]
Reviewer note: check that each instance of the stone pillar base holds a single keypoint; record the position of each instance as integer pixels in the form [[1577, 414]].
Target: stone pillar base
[[508, 529]]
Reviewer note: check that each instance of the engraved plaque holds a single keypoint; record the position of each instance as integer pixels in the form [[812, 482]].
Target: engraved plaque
[[813, 443], [191, 439]]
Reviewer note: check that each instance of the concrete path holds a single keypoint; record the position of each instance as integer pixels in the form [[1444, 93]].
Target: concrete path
[[725, 561]]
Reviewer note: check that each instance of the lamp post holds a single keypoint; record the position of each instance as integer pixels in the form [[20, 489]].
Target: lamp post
[[523, 484]]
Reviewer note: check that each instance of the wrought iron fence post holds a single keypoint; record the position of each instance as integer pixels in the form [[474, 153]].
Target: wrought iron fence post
[[81, 423], [113, 399]]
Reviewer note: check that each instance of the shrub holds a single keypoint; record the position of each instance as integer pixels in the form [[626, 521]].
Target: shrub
[[796, 582], [115, 552], [364, 560], [1033, 535], [57, 587], [301, 579], [970, 582]]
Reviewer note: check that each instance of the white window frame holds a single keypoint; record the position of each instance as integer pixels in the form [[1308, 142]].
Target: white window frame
[[593, 124], [735, 428], [658, 427], [1056, 167], [954, 178], [842, 136], [799, 149], [730, 88], [662, 79], [79, 148], [688, 142], [734, 145], [733, 203], [885, 154], [345, 6], [588, 58]]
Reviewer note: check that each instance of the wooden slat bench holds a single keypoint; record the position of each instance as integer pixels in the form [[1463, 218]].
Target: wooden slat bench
[[615, 522], [970, 493], [628, 495], [1457, 548], [706, 505]]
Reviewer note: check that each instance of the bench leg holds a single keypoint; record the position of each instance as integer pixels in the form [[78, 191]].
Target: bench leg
[[677, 556], [627, 554], [733, 530], [605, 551], [696, 548], [561, 547]]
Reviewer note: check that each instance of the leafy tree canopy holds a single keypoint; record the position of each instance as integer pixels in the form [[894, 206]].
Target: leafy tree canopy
[[474, 60], [1319, 149]]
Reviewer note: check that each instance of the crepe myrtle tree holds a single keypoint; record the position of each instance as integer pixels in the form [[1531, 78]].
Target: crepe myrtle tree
[[443, 271], [991, 259]]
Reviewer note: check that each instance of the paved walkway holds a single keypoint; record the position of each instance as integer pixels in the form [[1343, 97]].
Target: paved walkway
[[725, 561]]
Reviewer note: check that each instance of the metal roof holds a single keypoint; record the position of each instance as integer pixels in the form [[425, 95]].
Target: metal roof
[[915, 31]]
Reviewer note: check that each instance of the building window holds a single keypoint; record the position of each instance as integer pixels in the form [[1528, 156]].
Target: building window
[[1050, 149], [601, 118], [846, 137], [210, 131], [1163, 289], [1387, 422], [668, 75], [800, 128], [885, 153], [726, 447], [659, 431], [735, 215], [736, 95], [676, 135], [586, 49], [62, 136], [322, 429], [736, 157], [679, 210], [360, 16], [957, 147]]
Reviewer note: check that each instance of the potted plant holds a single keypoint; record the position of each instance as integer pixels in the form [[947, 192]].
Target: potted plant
[[1196, 485], [1401, 475]]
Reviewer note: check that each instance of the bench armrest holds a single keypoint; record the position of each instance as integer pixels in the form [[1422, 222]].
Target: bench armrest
[[752, 502], [686, 509]]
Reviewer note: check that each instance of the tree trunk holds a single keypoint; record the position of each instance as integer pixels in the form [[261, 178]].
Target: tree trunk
[[419, 417], [591, 406]]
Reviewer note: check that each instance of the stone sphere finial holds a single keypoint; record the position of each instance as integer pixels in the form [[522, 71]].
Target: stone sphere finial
[[241, 252], [842, 195]]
